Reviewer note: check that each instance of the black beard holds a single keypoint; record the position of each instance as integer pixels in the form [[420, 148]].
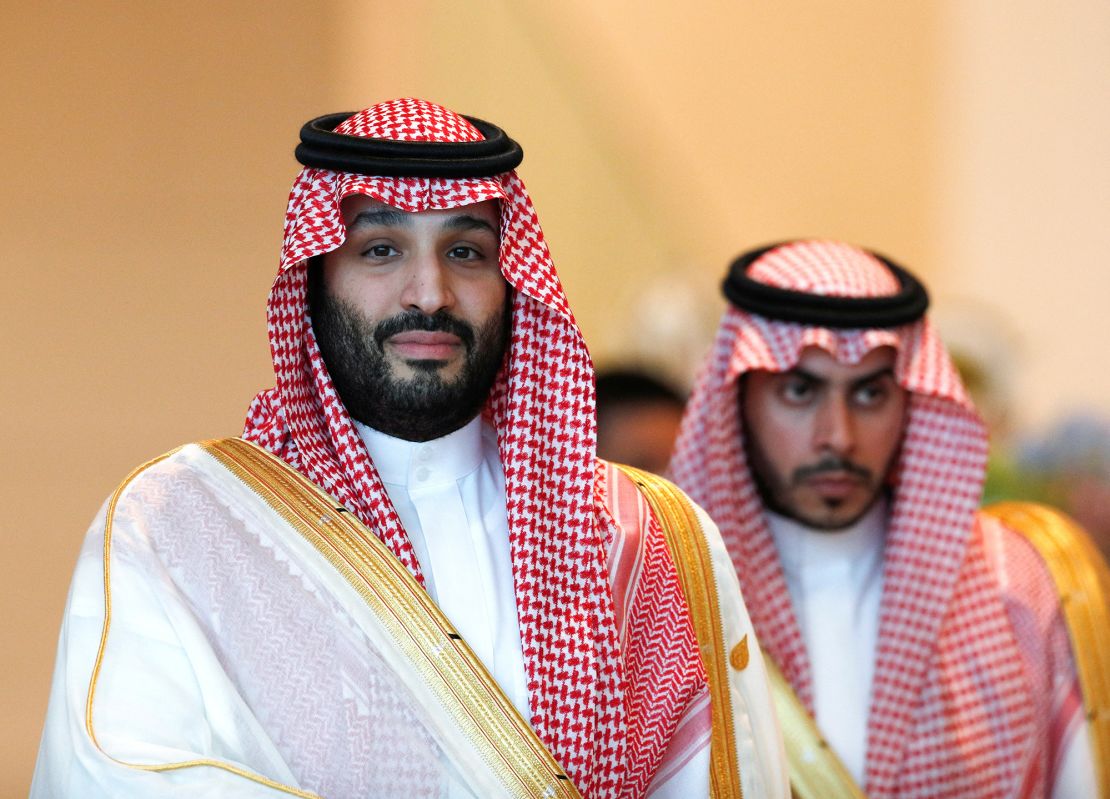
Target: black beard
[[769, 485], [419, 408]]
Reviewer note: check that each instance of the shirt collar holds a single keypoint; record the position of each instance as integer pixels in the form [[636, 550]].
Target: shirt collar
[[425, 463]]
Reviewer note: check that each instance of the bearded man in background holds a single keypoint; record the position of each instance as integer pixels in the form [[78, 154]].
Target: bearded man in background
[[924, 645]]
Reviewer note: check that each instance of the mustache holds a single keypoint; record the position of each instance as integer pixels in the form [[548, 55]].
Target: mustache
[[440, 321], [831, 464]]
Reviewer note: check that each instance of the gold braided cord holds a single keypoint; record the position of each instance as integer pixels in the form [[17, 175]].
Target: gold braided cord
[[816, 772], [690, 552], [459, 680], [1082, 580]]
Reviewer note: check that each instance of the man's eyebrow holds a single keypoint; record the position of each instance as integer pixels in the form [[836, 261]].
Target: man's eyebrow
[[798, 371], [885, 371], [380, 217], [468, 222], [881, 372]]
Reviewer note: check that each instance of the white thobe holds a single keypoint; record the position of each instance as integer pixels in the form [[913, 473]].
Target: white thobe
[[835, 580], [450, 496]]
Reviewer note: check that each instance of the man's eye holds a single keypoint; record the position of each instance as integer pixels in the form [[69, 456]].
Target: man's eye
[[463, 253], [797, 390], [380, 251], [870, 395]]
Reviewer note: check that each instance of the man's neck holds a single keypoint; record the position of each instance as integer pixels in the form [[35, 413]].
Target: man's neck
[[801, 546], [403, 462]]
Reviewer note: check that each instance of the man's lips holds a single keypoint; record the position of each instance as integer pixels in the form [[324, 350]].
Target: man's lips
[[425, 345], [834, 485]]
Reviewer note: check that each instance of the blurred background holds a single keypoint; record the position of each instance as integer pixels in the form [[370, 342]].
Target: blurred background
[[148, 157]]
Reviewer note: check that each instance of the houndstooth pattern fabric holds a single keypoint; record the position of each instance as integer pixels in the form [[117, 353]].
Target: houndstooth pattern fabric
[[940, 609], [643, 588], [542, 406]]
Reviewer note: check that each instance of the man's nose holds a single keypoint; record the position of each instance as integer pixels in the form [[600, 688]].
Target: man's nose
[[835, 426], [427, 285]]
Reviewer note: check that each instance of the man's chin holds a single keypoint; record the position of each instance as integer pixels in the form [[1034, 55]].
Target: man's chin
[[835, 516], [427, 366], [831, 515], [416, 368]]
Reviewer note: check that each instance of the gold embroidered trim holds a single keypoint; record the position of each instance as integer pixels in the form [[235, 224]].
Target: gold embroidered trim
[[739, 656], [690, 552], [475, 702], [816, 772], [1082, 579], [98, 663]]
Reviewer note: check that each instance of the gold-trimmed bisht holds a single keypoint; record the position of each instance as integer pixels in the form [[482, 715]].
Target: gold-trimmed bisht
[[462, 685], [1082, 580]]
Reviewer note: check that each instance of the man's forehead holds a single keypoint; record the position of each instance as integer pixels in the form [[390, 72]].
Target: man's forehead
[[821, 363], [355, 205]]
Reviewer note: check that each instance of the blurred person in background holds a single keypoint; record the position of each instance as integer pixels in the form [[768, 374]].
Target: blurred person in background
[[637, 418], [1066, 465], [1069, 465], [923, 646], [411, 576]]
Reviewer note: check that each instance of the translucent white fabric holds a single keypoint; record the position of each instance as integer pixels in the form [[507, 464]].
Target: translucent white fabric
[[233, 647]]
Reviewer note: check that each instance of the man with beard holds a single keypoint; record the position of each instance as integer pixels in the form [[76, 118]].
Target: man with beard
[[924, 646], [411, 577]]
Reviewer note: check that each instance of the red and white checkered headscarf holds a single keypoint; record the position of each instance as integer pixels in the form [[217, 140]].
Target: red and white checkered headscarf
[[949, 714], [542, 407]]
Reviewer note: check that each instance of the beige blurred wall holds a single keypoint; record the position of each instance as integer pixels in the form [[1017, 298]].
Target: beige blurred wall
[[661, 142], [1022, 211], [149, 157]]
